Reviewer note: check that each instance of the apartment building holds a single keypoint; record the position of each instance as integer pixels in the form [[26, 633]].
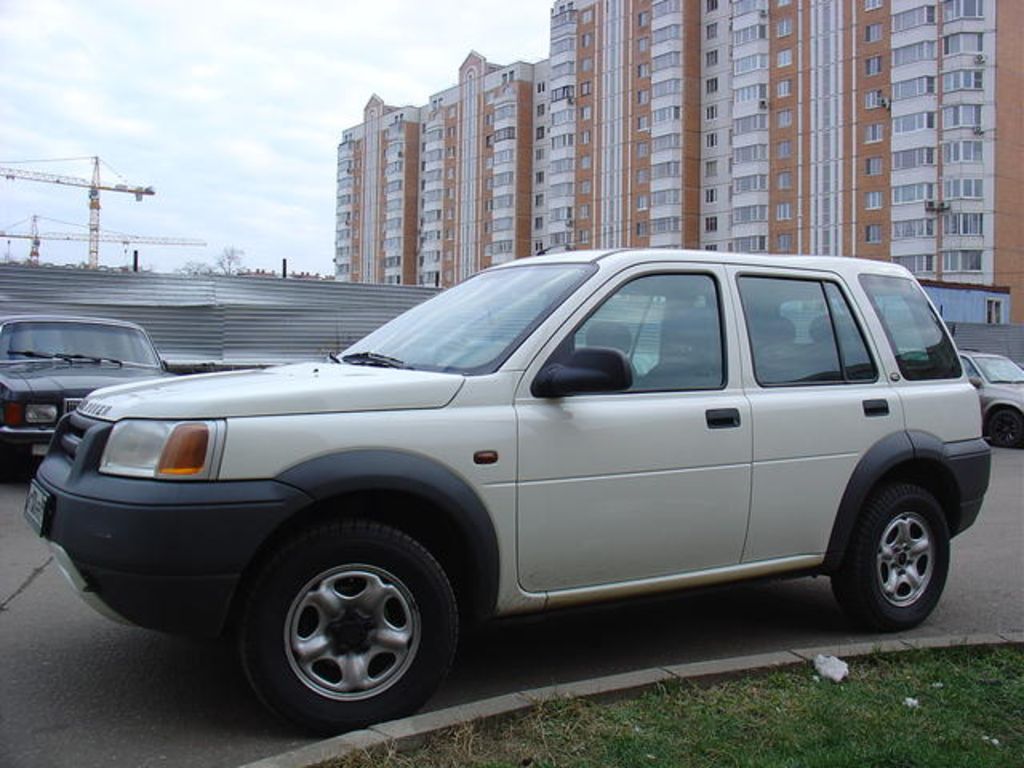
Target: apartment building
[[858, 127]]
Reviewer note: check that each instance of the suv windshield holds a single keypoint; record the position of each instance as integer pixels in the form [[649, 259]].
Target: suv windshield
[[473, 327], [40, 339], [1000, 370]]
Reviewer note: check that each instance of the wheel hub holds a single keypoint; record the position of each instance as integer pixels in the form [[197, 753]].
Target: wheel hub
[[350, 633]]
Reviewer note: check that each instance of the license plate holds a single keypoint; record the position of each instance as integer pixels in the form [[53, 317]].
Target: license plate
[[38, 508], [39, 449]]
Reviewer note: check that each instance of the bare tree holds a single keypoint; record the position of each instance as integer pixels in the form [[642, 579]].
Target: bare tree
[[195, 269], [230, 261]]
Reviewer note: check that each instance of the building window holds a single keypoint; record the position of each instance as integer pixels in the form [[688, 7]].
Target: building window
[[711, 58], [710, 223], [710, 168], [872, 33], [784, 149], [871, 5], [961, 261], [784, 180], [711, 85], [873, 233], [784, 57], [783, 211], [711, 5], [784, 88], [873, 166], [994, 311], [784, 118], [873, 99], [711, 195], [784, 28], [643, 19], [711, 31], [872, 200], [711, 140], [874, 133], [873, 65], [785, 243], [711, 112]]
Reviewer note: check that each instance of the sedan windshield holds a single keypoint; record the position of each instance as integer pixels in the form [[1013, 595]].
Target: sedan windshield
[[1000, 370], [473, 327], [73, 341]]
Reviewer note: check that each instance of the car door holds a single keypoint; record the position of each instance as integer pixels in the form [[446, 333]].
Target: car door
[[646, 483], [818, 404]]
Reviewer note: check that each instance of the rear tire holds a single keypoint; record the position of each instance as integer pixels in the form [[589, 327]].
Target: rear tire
[[897, 559], [1005, 428], [350, 623]]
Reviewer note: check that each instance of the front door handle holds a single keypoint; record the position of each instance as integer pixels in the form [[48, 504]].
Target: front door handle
[[876, 407], [722, 418]]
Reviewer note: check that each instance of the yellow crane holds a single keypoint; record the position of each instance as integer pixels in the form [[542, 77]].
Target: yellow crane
[[100, 237], [94, 186]]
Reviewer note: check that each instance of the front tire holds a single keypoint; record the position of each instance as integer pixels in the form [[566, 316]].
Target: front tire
[[897, 560], [349, 624], [1006, 428]]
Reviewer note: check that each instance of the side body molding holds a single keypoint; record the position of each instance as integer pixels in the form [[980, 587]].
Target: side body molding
[[380, 470], [960, 468]]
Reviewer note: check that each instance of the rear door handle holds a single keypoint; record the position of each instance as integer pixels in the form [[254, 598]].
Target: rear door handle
[[722, 418], [876, 407]]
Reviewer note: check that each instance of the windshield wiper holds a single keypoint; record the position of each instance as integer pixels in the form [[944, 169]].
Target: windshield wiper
[[33, 353], [92, 359], [373, 358]]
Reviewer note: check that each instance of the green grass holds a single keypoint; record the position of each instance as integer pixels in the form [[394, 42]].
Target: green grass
[[785, 719]]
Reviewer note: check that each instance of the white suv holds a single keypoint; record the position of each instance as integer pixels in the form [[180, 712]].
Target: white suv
[[554, 431]]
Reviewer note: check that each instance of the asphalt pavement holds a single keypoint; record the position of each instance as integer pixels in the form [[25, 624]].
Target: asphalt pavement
[[78, 690]]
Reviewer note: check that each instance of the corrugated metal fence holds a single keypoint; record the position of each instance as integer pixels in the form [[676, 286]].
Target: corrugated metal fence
[[218, 320], [1005, 340]]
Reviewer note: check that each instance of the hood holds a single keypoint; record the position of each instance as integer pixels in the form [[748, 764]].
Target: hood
[[71, 380], [290, 389]]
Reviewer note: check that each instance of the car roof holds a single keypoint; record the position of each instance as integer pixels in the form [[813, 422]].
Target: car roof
[[68, 319], [626, 256]]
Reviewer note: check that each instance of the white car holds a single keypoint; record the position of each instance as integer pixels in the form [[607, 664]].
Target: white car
[[554, 431]]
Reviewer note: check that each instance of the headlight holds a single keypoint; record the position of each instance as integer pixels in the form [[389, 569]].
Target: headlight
[[165, 450], [37, 413]]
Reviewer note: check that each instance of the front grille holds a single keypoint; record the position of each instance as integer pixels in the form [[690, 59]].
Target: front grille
[[72, 431], [72, 403]]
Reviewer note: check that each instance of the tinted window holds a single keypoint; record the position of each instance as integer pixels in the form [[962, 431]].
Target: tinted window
[[667, 326], [853, 351], [802, 332], [39, 339], [915, 333]]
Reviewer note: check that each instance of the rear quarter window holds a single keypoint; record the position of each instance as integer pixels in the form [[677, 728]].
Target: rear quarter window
[[918, 339]]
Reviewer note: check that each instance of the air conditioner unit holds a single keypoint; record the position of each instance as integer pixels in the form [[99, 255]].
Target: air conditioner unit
[[763, 13], [929, 205], [979, 131], [762, 104], [979, 59], [884, 102]]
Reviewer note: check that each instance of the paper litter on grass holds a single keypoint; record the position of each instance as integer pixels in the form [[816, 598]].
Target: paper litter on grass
[[832, 668]]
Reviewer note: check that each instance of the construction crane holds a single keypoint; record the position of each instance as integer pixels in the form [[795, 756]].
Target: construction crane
[[94, 186], [103, 237]]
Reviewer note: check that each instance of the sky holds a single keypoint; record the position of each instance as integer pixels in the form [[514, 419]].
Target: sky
[[231, 109]]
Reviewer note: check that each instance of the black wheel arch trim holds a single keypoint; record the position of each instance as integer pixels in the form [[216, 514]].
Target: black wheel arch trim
[[964, 467], [346, 472]]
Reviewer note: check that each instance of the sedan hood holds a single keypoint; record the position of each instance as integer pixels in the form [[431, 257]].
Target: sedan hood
[[291, 389], [70, 380]]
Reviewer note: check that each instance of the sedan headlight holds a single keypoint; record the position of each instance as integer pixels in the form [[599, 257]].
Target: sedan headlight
[[38, 413], [164, 450]]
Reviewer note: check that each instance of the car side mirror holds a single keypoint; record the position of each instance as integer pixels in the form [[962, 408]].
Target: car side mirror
[[594, 369], [976, 381]]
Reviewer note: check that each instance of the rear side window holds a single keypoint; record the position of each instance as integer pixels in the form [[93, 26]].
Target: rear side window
[[919, 341], [803, 332]]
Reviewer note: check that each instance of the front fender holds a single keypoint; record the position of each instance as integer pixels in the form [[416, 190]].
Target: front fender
[[347, 472]]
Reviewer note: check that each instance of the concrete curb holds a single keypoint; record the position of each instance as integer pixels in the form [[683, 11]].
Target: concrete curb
[[411, 732]]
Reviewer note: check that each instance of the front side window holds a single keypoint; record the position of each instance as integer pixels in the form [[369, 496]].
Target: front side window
[[667, 326], [916, 335], [802, 332], [473, 327]]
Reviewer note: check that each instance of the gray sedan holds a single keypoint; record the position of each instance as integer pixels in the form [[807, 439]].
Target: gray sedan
[[1000, 384]]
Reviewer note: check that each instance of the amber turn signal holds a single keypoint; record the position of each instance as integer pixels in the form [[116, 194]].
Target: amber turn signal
[[185, 451]]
